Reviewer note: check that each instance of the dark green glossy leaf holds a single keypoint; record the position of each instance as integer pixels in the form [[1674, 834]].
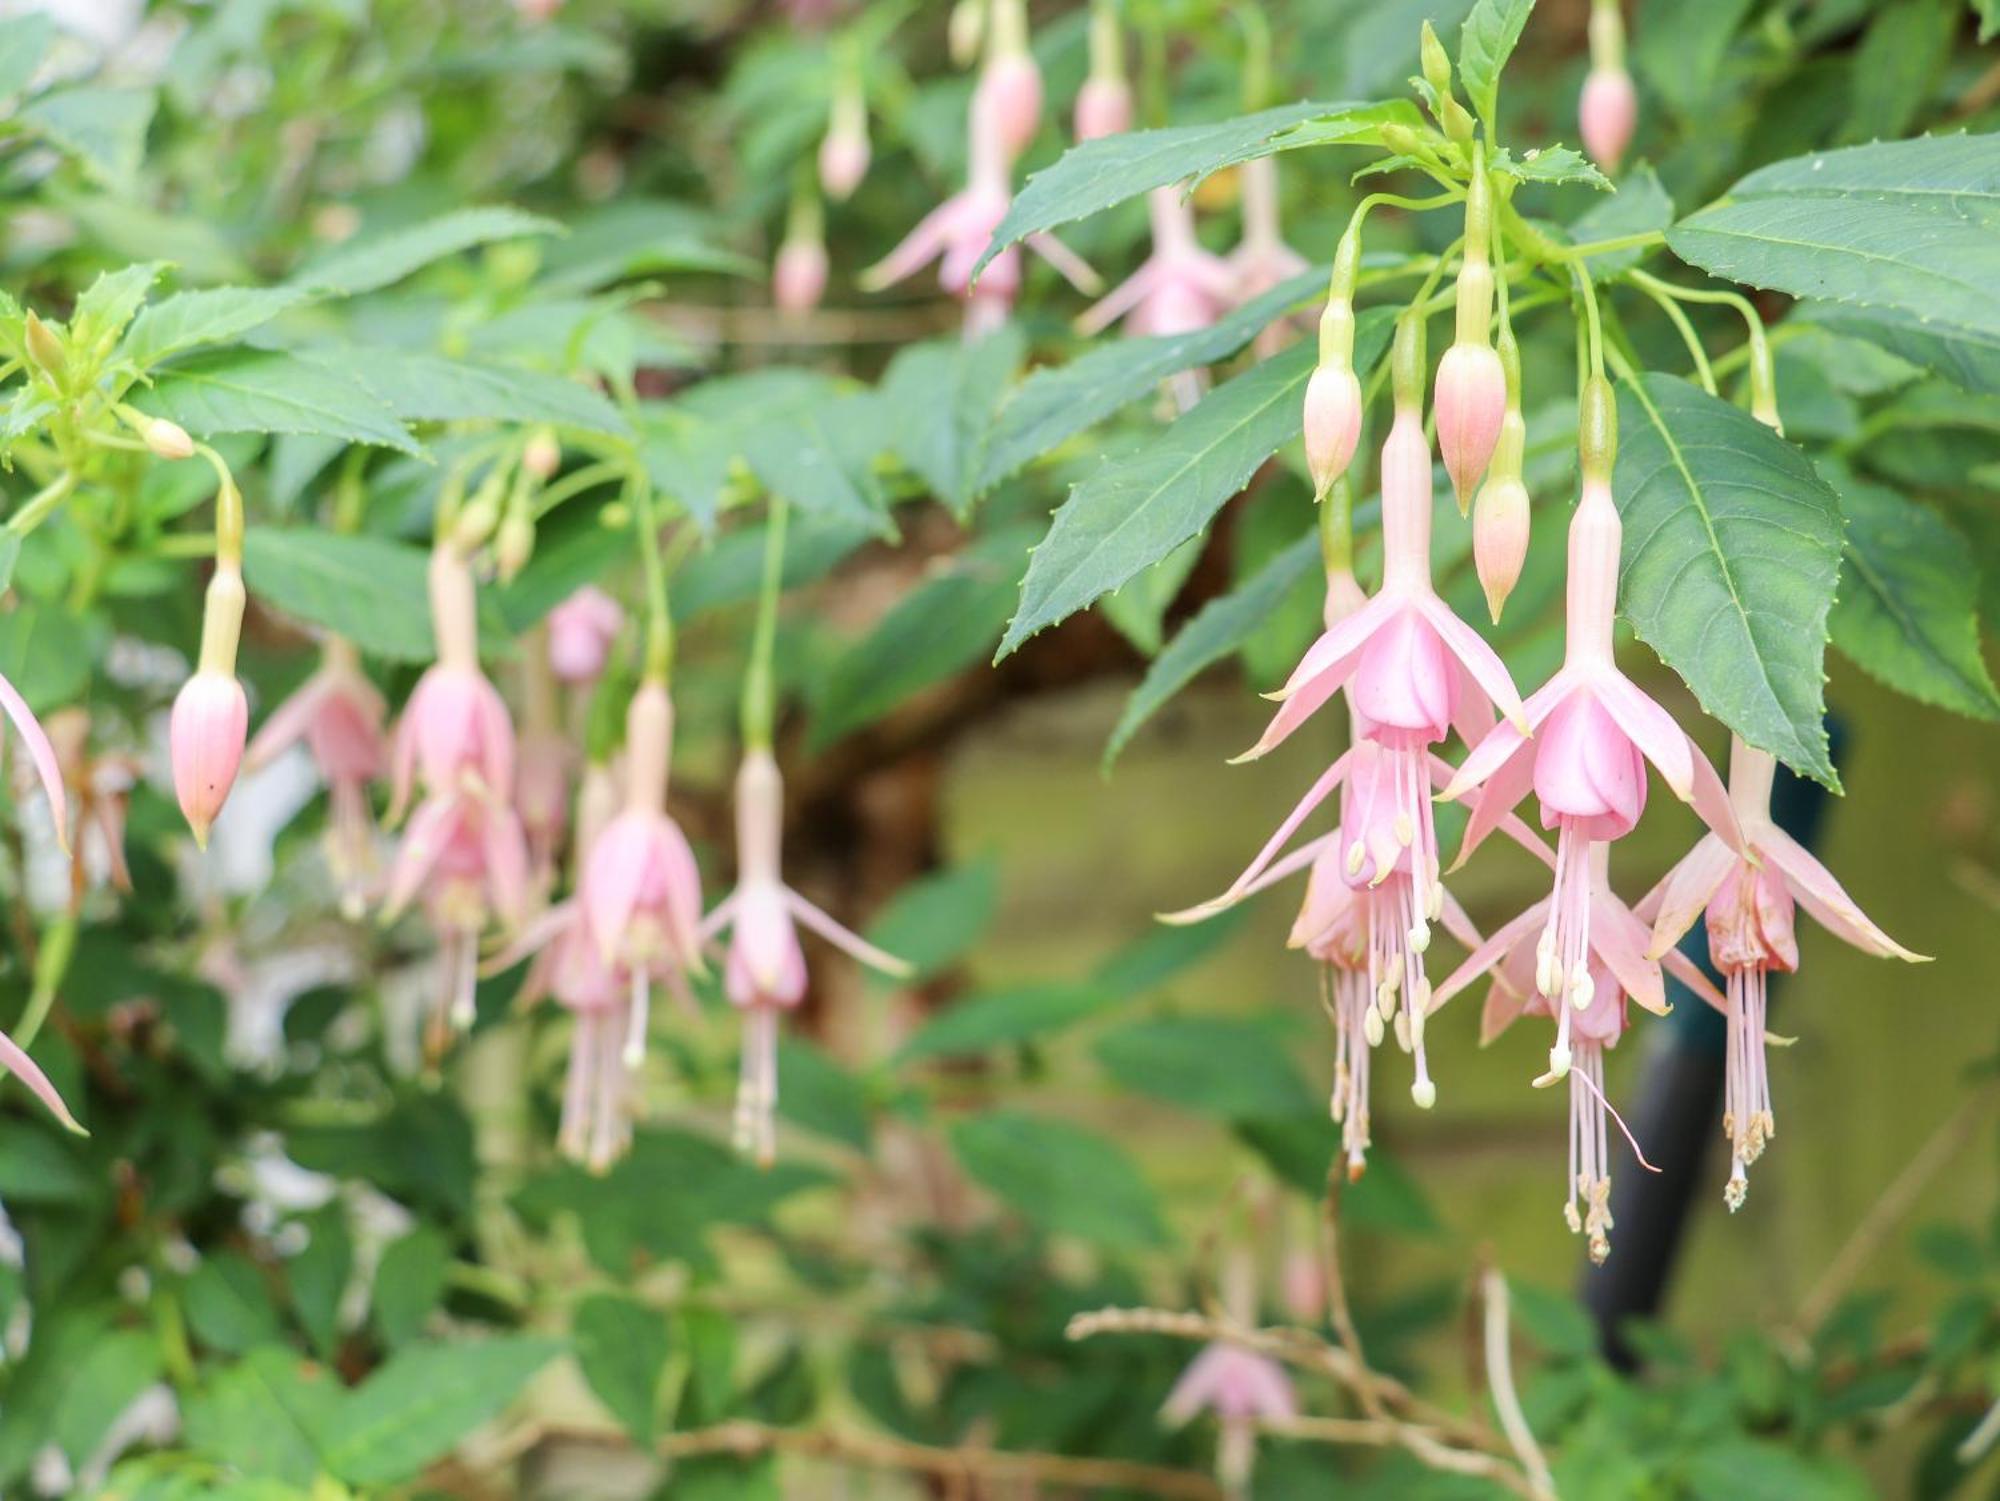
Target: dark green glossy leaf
[[423, 1401]]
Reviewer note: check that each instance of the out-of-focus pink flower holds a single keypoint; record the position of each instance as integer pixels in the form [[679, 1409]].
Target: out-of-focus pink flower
[[640, 891], [1262, 260], [1103, 108], [581, 630], [1007, 100], [1751, 896], [541, 792], [1231, 1382], [1589, 1017], [1607, 115], [339, 715], [766, 970], [798, 277], [1179, 287], [537, 12], [844, 151], [100, 789]]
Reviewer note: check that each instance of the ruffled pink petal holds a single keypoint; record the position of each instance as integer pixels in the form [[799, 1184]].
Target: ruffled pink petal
[[614, 873], [846, 940], [1479, 659], [508, 882], [1649, 727], [1493, 749], [47, 769], [24, 1068], [1684, 891], [1404, 678], [288, 722], [1619, 939], [1821, 895], [1490, 953], [432, 828]]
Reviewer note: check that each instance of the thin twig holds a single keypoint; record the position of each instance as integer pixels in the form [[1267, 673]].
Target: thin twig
[[1500, 1382], [1337, 1311], [1896, 1201]]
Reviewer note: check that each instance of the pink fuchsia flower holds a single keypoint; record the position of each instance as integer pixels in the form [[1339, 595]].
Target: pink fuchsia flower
[[1007, 100], [1751, 896], [1262, 260], [1413, 670], [1594, 731], [455, 733], [766, 970], [844, 151], [1501, 518], [1103, 108], [581, 630], [1180, 286], [640, 890], [798, 276], [1592, 1019], [1471, 394], [339, 715], [211, 716]]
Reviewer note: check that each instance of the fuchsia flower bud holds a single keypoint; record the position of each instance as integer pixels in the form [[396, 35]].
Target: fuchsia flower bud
[[1007, 100], [211, 716], [581, 630], [168, 440], [1103, 108], [541, 456], [1471, 395], [798, 277], [1333, 395], [844, 151], [1608, 112], [1500, 516]]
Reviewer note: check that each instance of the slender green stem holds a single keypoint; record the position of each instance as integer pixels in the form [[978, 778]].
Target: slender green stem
[[1587, 290], [1697, 294], [659, 622], [760, 682], [35, 510], [1687, 332], [572, 485], [1644, 241]]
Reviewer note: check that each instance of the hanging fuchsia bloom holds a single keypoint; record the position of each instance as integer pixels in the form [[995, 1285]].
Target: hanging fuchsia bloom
[[1007, 100], [1103, 108], [1413, 670], [798, 276], [1179, 288], [1365, 917], [641, 892], [339, 714], [1614, 969], [211, 715], [1594, 730], [1262, 260], [844, 151], [464, 851], [1751, 896], [766, 969], [596, 1125], [581, 630], [1242, 1387]]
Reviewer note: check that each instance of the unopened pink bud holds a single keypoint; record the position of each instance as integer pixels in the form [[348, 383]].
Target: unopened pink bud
[[1607, 115], [1103, 108], [168, 440], [581, 630], [1469, 403], [843, 162], [1500, 539], [210, 721], [798, 280], [1007, 104], [1332, 422]]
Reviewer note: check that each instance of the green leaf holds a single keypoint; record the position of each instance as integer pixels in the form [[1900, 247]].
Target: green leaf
[[622, 1349], [107, 305], [103, 1384], [38, 1166], [931, 923], [45, 652], [1138, 608], [431, 388], [229, 1306], [104, 129], [820, 456], [947, 623], [1909, 227], [637, 237], [1897, 66], [1683, 61], [24, 42], [1056, 402], [1228, 1066], [260, 391], [1152, 960], [373, 591], [409, 1281], [318, 1275], [974, 1024], [261, 1416], [377, 260], [1556, 166], [1732, 547], [939, 401], [1221, 626], [1064, 1179], [1485, 42], [1908, 606], [1969, 358], [1094, 175], [423, 1401], [1988, 12], [1742, 1469], [821, 1096], [1639, 205], [1134, 511], [214, 315]]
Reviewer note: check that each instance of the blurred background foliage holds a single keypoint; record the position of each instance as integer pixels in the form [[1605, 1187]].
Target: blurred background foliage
[[290, 1262]]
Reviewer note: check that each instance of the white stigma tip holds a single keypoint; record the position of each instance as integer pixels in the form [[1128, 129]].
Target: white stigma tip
[[1425, 1093]]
